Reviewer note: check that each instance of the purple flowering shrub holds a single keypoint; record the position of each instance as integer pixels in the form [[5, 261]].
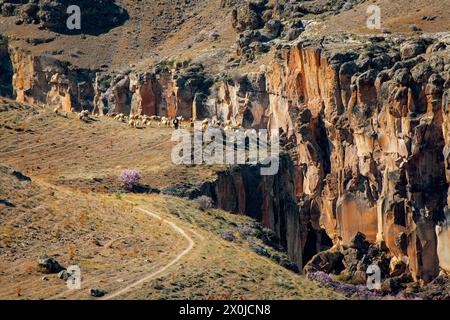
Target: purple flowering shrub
[[130, 179]]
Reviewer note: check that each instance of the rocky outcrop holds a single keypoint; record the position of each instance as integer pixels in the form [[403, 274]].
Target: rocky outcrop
[[367, 125], [268, 199], [48, 81], [244, 100], [112, 94]]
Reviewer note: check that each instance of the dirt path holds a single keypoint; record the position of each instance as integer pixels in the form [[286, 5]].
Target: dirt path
[[162, 269], [153, 274]]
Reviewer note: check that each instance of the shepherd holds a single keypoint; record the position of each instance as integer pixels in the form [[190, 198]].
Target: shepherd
[[176, 123]]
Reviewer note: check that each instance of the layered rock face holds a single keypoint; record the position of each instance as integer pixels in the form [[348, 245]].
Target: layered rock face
[[369, 143], [269, 199], [164, 92], [366, 123]]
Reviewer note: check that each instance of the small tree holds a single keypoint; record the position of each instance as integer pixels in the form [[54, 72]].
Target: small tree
[[130, 179]]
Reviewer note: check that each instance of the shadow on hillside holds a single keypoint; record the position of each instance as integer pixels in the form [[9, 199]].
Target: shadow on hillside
[[96, 18]]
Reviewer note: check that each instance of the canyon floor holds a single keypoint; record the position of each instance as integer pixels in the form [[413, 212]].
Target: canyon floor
[[72, 210]]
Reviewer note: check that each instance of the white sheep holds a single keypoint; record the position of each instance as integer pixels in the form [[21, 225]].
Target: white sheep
[[132, 123]]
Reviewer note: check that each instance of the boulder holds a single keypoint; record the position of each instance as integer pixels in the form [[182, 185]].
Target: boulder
[[48, 265], [359, 242], [96, 293], [326, 261]]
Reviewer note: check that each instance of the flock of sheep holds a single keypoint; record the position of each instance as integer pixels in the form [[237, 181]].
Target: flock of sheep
[[136, 121]]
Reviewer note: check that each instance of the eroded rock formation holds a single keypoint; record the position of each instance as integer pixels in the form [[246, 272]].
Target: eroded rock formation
[[44, 80]]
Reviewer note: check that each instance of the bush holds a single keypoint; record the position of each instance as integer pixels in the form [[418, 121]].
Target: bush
[[130, 179], [204, 202]]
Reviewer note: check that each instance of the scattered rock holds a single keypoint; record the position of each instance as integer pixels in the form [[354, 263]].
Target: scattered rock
[[429, 18], [414, 27], [20, 176], [260, 251], [228, 236], [395, 284], [293, 34]]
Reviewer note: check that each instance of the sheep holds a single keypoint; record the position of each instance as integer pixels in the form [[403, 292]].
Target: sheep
[[120, 117], [205, 124], [83, 117]]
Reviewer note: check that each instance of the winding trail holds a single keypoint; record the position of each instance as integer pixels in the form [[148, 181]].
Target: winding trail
[[162, 269]]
